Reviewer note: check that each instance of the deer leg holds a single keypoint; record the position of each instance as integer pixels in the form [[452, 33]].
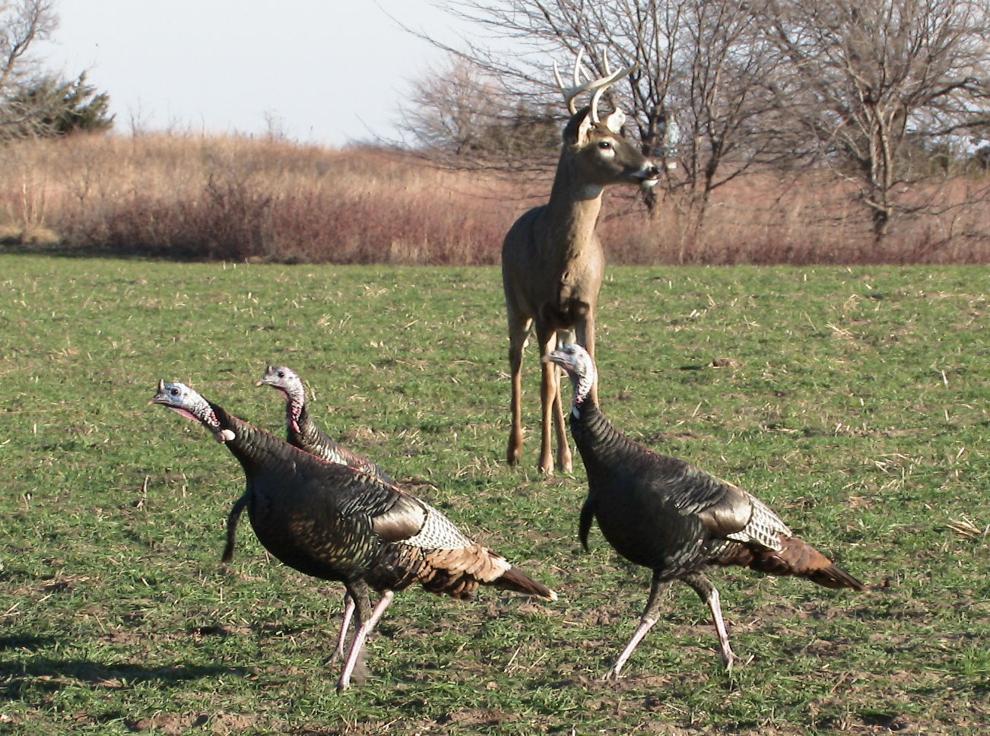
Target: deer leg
[[707, 592], [368, 623], [564, 460], [549, 393], [646, 621], [518, 329], [585, 330]]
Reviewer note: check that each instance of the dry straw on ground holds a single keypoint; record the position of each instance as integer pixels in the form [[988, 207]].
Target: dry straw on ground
[[237, 198]]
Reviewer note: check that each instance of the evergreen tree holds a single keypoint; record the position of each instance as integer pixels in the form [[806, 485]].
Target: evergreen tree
[[51, 107]]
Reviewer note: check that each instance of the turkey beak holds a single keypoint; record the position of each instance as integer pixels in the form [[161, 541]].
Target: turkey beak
[[161, 392], [268, 371]]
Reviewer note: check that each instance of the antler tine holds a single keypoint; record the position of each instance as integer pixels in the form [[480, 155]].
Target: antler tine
[[601, 90], [598, 86], [607, 81], [578, 69], [571, 93], [568, 98]]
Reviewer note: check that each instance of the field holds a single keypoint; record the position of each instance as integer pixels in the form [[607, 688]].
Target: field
[[854, 401], [273, 201]]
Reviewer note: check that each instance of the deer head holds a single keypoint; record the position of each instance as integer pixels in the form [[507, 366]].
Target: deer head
[[599, 153]]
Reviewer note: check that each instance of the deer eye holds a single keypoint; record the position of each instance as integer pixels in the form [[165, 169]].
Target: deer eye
[[605, 145]]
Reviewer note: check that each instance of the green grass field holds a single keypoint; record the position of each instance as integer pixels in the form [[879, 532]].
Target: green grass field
[[854, 401]]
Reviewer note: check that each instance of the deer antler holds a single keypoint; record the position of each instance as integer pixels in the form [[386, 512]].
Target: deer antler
[[570, 93], [597, 86]]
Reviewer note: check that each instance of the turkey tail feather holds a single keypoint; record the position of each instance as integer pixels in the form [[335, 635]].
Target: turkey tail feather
[[458, 572], [799, 558], [835, 577], [516, 580]]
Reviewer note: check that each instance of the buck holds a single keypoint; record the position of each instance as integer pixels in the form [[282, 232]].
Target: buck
[[552, 259]]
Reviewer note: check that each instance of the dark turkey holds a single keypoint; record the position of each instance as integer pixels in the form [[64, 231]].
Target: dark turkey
[[337, 523], [302, 432], [664, 514]]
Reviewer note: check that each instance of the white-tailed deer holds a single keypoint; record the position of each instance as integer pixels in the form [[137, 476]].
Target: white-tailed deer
[[552, 260]]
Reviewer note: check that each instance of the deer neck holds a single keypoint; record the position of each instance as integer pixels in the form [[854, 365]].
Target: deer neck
[[573, 209]]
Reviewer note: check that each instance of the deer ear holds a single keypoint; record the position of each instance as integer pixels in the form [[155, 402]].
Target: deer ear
[[615, 120], [576, 132]]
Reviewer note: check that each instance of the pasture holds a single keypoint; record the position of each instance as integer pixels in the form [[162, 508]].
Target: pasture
[[854, 401]]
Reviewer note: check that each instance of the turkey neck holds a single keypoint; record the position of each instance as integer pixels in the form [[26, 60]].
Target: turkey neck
[[301, 427], [311, 438], [601, 445], [254, 448]]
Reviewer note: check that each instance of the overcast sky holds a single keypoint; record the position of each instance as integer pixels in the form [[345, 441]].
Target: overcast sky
[[326, 71]]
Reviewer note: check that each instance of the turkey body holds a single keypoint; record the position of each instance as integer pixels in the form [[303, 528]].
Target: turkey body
[[312, 515], [675, 519], [665, 514], [336, 523], [302, 432]]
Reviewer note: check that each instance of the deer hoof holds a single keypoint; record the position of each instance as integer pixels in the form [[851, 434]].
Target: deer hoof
[[513, 452]]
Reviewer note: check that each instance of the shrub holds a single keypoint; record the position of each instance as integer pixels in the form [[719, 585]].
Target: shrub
[[240, 198]]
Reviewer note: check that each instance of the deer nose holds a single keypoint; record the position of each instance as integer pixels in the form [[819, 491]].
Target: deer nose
[[651, 171]]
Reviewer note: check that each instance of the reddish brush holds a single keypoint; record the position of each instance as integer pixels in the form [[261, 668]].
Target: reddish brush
[[238, 198]]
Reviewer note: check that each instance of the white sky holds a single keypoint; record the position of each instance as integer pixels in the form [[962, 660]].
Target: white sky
[[326, 71]]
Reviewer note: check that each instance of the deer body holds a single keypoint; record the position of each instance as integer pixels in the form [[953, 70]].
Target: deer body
[[553, 261], [557, 241]]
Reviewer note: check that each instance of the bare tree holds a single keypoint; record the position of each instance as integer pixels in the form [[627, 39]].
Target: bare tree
[[22, 23], [450, 109], [866, 79], [716, 94], [864, 86], [697, 63], [457, 115]]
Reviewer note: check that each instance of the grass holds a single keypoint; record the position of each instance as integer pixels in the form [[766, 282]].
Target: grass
[[854, 401]]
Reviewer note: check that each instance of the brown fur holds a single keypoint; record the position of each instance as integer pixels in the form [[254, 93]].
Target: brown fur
[[552, 268]]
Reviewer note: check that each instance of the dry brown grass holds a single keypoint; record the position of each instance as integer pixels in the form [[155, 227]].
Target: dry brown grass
[[239, 198]]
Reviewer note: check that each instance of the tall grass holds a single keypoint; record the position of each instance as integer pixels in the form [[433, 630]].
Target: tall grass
[[237, 198]]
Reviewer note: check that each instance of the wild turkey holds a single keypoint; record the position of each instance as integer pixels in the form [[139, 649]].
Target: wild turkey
[[664, 514], [336, 523], [302, 432]]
